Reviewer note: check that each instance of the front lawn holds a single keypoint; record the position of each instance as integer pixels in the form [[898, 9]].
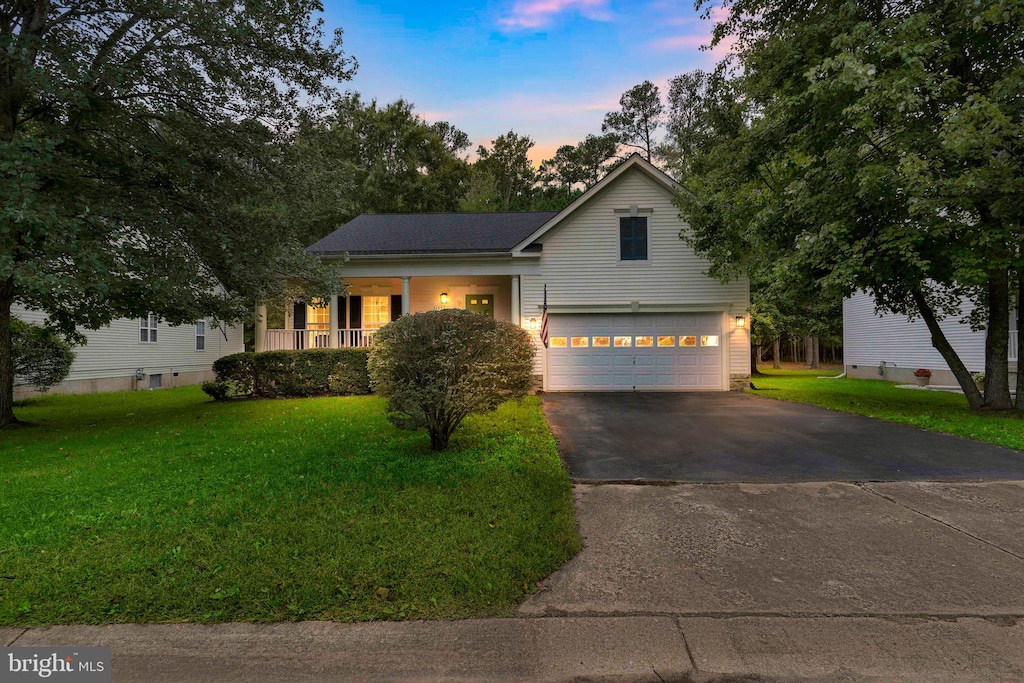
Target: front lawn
[[164, 506], [936, 410]]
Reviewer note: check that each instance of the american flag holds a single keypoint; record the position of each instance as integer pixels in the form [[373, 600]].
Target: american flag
[[544, 319]]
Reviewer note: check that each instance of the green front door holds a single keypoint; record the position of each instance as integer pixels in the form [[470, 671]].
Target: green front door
[[480, 303]]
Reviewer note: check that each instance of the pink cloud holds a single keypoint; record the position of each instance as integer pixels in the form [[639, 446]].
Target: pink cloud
[[694, 42], [532, 14]]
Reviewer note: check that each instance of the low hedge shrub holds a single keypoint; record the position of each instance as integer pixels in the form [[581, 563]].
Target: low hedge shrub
[[273, 374]]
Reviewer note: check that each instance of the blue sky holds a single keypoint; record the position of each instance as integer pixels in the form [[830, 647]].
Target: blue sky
[[546, 68]]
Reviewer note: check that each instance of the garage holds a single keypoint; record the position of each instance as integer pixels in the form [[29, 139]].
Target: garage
[[635, 352]]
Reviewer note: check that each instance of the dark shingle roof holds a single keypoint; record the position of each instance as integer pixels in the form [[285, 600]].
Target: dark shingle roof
[[426, 233]]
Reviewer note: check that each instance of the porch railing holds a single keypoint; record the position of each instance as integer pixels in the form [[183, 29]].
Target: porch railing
[[355, 339], [1013, 346], [294, 340]]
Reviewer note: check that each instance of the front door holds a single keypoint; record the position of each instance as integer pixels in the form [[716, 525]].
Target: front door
[[480, 303]]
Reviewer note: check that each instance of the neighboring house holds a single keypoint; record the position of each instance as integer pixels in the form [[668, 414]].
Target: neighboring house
[[629, 305], [131, 354], [891, 347]]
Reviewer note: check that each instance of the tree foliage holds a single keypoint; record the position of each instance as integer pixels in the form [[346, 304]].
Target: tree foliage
[[41, 358], [438, 367], [636, 123], [506, 170], [880, 149], [134, 136], [364, 158], [577, 165]]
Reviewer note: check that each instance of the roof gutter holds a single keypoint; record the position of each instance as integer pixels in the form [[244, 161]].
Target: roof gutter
[[502, 255]]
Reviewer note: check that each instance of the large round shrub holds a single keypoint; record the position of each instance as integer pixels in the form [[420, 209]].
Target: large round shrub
[[41, 358], [436, 368]]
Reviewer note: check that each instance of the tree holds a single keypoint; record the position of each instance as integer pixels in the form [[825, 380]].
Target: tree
[[564, 171], [637, 122], [703, 106], [593, 155], [364, 158], [507, 168], [438, 367], [41, 358], [880, 150], [134, 137]]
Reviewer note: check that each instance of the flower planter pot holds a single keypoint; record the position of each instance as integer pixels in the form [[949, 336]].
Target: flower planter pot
[[922, 381]]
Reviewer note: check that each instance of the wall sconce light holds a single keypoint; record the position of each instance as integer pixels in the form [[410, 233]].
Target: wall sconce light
[[444, 297], [741, 321], [533, 323]]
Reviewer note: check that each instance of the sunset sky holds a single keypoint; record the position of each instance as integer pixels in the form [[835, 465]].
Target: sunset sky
[[546, 68]]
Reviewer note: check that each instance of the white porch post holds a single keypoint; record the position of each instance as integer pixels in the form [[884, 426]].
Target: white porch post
[[332, 341], [261, 328], [517, 318], [406, 289]]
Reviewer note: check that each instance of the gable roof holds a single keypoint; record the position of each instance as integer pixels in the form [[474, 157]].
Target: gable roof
[[431, 233], [634, 161]]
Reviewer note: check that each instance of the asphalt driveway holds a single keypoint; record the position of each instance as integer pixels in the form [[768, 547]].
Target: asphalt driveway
[[736, 437]]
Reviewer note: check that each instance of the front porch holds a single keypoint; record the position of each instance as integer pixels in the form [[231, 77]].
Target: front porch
[[352, 320]]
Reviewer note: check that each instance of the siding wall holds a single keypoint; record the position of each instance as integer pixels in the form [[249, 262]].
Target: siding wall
[[115, 350], [869, 339], [581, 267]]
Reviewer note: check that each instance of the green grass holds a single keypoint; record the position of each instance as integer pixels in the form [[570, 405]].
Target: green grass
[[935, 410], [164, 506]]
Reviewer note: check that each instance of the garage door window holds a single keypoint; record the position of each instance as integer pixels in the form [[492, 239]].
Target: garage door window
[[558, 342], [623, 341], [602, 341], [667, 341], [688, 340], [580, 342], [709, 340], [645, 341]]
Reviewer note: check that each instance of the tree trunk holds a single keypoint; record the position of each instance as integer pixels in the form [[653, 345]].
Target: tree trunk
[[1020, 337], [776, 350], [815, 360], [808, 351], [755, 351], [6, 355], [948, 353], [997, 378]]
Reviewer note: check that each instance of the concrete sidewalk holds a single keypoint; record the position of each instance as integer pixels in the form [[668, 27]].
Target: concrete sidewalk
[[651, 648]]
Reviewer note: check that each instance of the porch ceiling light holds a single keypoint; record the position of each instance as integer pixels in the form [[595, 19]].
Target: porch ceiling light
[[533, 323], [444, 297], [741, 321]]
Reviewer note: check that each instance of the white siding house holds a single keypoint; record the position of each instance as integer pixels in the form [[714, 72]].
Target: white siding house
[[116, 358], [629, 305], [887, 346]]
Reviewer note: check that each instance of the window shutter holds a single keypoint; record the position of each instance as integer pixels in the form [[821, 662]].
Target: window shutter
[[355, 312], [299, 316]]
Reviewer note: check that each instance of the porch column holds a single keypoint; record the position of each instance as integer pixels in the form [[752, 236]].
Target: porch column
[[405, 295], [516, 315], [261, 328], [335, 312]]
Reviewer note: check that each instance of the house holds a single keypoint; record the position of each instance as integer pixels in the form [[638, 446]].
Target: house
[[629, 304], [131, 354], [887, 346]]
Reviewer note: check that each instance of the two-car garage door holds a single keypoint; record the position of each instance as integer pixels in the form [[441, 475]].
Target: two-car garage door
[[641, 352]]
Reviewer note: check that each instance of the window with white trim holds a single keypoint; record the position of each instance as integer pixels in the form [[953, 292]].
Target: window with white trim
[[376, 312], [633, 238], [201, 335], [318, 315], [147, 329]]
